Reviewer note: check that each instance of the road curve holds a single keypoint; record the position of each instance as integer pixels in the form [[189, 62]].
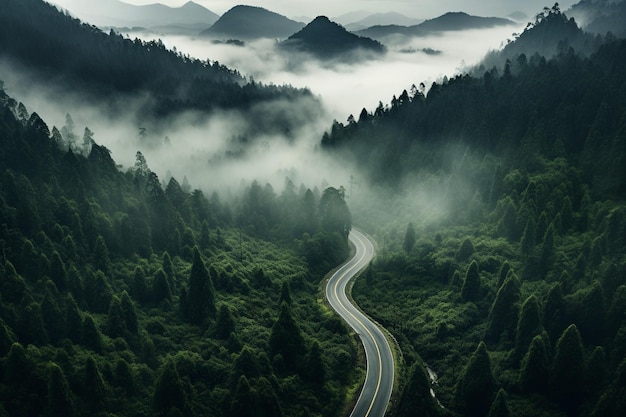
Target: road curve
[[378, 385]]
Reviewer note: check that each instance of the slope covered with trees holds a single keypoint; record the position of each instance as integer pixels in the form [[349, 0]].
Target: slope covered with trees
[[124, 295], [77, 58], [512, 296]]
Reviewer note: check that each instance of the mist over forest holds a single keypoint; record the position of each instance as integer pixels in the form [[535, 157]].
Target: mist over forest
[[173, 197]]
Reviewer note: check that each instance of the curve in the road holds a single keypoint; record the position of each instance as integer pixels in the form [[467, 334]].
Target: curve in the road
[[376, 391]]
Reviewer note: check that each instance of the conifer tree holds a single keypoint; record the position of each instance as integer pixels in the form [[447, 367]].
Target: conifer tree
[[73, 320], [139, 287], [593, 314], [225, 324], [470, 291], [58, 272], [124, 377], [409, 238], [286, 338], [93, 387], [243, 400], [315, 370], [528, 326], [52, 317], [31, 328], [476, 387], [500, 407], [115, 324], [7, 338], [535, 369], [200, 293], [504, 311], [554, 312], [160, 287], [90, 335], [416, 398], [285, 293], [128, 310], [169, 392], [566, 376], [268, 404], [60, 401]]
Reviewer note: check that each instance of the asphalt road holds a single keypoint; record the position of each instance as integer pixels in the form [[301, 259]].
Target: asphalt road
[[378, 384]]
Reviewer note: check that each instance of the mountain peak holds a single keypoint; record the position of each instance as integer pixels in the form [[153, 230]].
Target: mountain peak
[[325, 39], [251, 22]]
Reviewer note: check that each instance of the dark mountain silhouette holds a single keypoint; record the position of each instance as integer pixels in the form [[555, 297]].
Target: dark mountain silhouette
[[551, 33], [452, 21], [601, 16], [328, 40], [115, 13], [248, 22], [73, 57]]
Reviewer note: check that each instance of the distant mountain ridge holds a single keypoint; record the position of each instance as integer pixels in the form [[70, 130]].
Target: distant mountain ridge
[[327, 40], [249, 22], [451, 21], [116, 13], [601, 16], [380, 19]]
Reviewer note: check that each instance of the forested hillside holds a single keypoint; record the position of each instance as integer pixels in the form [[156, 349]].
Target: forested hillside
[[124, 295], [75, 58], [514, 296]]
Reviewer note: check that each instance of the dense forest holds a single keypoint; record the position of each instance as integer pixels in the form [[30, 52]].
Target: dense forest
[[124, 295], [514, 297], [497, 198]]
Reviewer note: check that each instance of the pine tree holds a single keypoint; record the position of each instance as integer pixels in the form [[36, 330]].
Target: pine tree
[[60, 401], [115, 324], [243, 400], [470, 291], [225, 324], [90, 335], [73, 320], [504, 311], [566, 376], [409, 238], [286, 338], [124, 377], [201, 293], [554, 312], [169, 392], [161, 288], [416, 398], [500, 407], [476, 387], [285, 293], [93, 387], [130, 315], [267, 400], [535, 369], [315, 369], [528, 326], [139, 287]]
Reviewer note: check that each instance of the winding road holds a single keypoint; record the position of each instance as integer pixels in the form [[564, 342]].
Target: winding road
[[378, 384]]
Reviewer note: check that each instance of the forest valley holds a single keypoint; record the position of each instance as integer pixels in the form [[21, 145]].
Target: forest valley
[[123, 294]]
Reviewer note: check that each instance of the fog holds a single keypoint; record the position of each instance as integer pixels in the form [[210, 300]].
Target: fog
[[424, 9], [220, 152], [347, 88]]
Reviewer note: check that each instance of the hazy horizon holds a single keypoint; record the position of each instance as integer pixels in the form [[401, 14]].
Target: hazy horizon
[[427, 9]]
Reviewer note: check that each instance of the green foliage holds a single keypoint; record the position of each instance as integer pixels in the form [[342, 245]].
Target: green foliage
[[500, 407], [476, 387], [409, 238], [416, 398], [169, 393], [567, 373], [528, 326], [286, 339], [471, 289], [200, 302], [504, 311], [535, 368], [60, 401]]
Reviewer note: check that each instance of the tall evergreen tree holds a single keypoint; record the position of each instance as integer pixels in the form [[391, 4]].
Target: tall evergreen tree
[[535, 369], [409, 238], [470, 291], [201, 292], [528, 326], [566, 376], [476, 387], [416, 398], [60, 401], [504, 311], [500, 407], [286, 338], [169, 392]]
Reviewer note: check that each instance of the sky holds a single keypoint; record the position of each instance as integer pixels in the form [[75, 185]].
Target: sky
[[423, 9]]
